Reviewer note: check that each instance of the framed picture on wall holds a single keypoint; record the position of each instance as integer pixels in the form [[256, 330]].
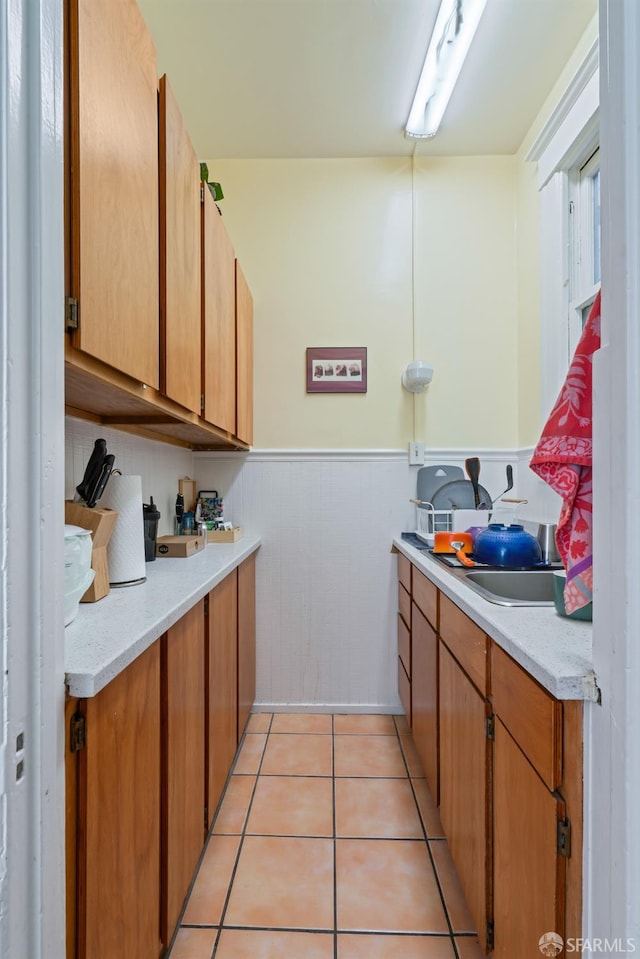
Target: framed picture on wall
[[337, 369]]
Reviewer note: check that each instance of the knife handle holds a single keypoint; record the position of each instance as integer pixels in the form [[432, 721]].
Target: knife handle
[[107, 468]]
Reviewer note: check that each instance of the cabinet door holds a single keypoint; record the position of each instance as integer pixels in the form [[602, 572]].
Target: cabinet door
[[218, 319], [183, 828], [221, 697], [244, 334], [464, 785], [246, 641], [119, 829], [424, 688], [114, 185], [528, 887], [180, 277]]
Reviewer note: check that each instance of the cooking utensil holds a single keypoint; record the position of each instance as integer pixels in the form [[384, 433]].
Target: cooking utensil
[[459, 547], [472, 466], [431, 478], [93, 470], [459, 494], [98, 490], [454, 543], [547, 542], [509, 483], [506, 546]]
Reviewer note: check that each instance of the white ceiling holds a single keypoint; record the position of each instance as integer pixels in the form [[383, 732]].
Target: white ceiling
[[335, 78]]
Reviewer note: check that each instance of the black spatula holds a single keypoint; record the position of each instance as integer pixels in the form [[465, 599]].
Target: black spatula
[[472, 466]]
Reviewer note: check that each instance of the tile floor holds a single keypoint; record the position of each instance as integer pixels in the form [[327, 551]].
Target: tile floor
[[327, 845]]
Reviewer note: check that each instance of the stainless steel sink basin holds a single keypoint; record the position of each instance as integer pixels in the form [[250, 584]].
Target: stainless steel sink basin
[[512, 587]]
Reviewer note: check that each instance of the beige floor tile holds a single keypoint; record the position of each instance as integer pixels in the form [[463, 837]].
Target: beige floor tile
[[413, 761], [387, 885], [193, 944], [394, 947], [469, 948], [283, 882], [292, 806], [267, 944], [428, 809], [380, 725], [250, 754], [382, 808], [293, 754], [212, 882], [368, 756], [301, 723], [235, 805], [258, 723], [454, 899]]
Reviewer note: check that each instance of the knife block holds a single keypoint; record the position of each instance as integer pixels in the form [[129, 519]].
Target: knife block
[[101, 522]]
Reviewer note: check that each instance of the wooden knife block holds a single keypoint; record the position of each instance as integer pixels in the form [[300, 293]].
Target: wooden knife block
[[101, 522]]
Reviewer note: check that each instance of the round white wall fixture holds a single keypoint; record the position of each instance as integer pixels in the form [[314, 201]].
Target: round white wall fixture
[[417, 376]]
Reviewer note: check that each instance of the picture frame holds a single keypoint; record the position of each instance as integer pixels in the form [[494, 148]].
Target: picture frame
[[336, 369]]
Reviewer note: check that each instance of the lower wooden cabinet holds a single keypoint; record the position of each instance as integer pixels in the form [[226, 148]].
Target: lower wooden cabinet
[[246, 641], [465, 785], [118, 836], [424, 695], [221, 703], [183, 826]]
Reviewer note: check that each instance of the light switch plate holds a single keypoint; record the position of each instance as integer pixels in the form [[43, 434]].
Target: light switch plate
[[416, 454]]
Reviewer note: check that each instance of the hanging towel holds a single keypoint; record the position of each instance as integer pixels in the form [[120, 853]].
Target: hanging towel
[[563, 459]]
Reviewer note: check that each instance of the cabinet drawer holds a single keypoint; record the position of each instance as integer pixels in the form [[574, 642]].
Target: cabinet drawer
[[466, 641], [404, 604], [404, 645], [530, 713], [425, 596], [404, 571], [404, 690]]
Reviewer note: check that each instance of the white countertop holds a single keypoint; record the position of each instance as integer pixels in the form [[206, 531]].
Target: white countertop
[[553, 649], [105, 637]]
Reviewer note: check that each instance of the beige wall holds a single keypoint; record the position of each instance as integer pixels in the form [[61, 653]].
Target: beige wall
[[327, 249]]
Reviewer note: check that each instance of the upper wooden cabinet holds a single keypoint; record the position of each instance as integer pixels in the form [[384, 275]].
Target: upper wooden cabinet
[[218, 319], [113, 195], [180, 283], [244, 347]]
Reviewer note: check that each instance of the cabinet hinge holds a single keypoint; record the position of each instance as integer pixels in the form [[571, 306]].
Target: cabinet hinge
[[202, 193], [564, 838], [70, 314], [489, 937], [77, 733], [202, 402], [206, 606], [490, 727]]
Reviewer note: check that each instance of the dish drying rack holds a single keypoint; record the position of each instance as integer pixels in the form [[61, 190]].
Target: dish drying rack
[[430, 521]]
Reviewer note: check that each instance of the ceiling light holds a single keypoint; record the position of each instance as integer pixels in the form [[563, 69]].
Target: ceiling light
[[455, 26]]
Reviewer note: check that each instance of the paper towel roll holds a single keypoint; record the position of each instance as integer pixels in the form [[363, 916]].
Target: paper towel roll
[[126, 546]]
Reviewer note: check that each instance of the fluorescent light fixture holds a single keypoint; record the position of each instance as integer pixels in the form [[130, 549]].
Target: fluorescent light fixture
[[453, 32]]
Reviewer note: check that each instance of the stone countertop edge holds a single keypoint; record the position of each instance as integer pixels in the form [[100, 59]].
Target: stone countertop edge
[[555, 650], [106, 637]]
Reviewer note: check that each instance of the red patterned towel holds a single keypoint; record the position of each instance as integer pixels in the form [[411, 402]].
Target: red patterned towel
[[563, 459]]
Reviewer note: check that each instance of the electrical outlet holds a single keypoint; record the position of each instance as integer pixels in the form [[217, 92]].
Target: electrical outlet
[[416, 454]]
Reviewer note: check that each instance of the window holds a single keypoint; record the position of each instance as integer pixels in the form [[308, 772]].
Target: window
[[584, 244]]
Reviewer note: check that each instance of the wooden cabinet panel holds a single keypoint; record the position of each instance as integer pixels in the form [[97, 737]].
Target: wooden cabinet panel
[[119, 834], [530, 713], [218, 319], [424, 697], [467, 642], [246, 641], [71, 828], [221, 704], [404, 645], [528, 895], [465, 786], [180, 260], [425, 596], [404, 572], [244, 345], [113, 153], [404, 604], [183, 789], [404, 690]]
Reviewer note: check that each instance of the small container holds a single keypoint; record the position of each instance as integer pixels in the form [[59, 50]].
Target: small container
[[559, 581], [150, 516], [202, 531], [187, 525]]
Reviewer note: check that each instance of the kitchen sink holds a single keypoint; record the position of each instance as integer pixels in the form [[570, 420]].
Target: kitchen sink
[[512, 587]]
